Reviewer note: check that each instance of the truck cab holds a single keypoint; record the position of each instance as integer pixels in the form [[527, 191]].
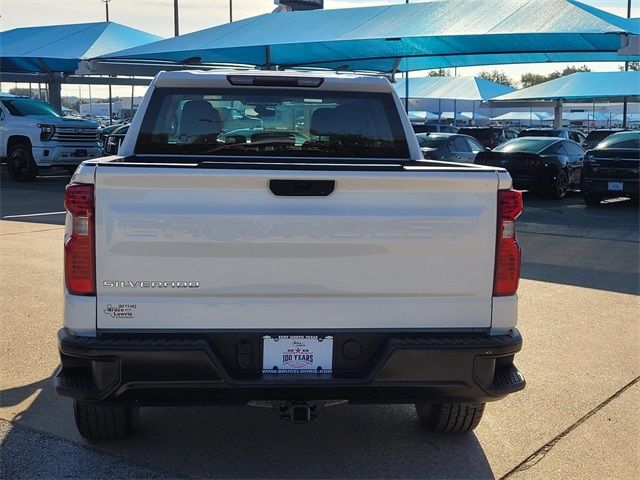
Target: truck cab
[[34, 136]]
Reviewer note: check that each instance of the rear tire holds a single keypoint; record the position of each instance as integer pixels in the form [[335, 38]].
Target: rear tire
[[104, 422], [560, 185], [591, 200], [450, 417], [20, 163]]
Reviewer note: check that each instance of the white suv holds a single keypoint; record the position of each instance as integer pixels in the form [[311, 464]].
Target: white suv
[[34, 135]]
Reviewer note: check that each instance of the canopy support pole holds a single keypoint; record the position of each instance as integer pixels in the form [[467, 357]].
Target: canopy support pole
[[396, 66], [55, 93], [406, 92], [55, 87], [90, 102], [267, 57], [557, 118], [110, 107], [455, 113]]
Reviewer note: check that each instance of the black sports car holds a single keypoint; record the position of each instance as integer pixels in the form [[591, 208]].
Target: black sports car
[[538, 163]]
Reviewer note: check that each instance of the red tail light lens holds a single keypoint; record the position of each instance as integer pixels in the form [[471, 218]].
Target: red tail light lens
[[507, 272], [79, 256]]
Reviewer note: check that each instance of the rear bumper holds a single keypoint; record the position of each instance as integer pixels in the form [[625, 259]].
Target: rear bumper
[[600, 187], [544, 178], [169, 369]]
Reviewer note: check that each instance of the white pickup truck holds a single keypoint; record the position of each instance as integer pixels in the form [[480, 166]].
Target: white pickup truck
[[308, 259], [33, 136]]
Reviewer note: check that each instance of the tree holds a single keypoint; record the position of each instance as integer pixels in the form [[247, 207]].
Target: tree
[[440, 72], [635, 66], [530, 79], [24, 92], [498, 77], [568, 70]]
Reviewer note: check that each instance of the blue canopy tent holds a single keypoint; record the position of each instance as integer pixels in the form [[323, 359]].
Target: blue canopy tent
[[531, 117], [56, 50], [452, 88], [577, 86], [470, 90], [422, 116], [444, 33], [581, 86]]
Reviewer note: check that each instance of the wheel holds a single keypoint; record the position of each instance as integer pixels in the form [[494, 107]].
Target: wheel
[[560, 185], [591, 200], [20, 163], [450, 417], [104, 422]]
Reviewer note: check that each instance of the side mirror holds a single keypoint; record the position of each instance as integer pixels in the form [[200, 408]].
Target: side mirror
[[1, 114]]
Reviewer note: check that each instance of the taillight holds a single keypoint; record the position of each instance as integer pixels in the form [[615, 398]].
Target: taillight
[[532, 163], [507, 272], [79, 257]]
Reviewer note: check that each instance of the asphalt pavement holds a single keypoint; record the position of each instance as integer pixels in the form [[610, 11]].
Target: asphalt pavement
[[579, 310]]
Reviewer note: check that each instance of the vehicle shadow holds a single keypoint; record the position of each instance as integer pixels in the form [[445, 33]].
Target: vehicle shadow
[[246, 442], [569, 243]]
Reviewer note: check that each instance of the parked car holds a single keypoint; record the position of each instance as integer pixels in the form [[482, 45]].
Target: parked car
[[33, 135], [433, 128], [594, 137], [611, 169], [490, 137], [114, 139], [538, 163], [347, 268], [510, 134], [575, 135], [449, 147]]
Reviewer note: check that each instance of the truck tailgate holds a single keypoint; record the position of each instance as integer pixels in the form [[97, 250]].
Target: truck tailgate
[[194, 248]]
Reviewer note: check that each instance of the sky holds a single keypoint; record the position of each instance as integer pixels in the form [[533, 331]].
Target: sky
[[156, 16]]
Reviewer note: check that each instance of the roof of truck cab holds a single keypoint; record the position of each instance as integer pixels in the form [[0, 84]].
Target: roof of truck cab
[[218, 78]]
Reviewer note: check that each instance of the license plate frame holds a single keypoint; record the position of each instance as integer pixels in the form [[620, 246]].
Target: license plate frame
[[615, 186], [297, 354]]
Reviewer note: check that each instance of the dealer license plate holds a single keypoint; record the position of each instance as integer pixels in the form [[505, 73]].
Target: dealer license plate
[[616, 186], [297, 354], [80, 153]]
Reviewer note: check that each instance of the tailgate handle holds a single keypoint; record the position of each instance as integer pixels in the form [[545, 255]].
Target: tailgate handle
[[302, 188]]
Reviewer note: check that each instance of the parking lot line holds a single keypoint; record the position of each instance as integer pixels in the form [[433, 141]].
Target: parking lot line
[[33, 215]]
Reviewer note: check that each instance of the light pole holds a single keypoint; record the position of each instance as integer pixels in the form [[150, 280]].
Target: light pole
[[175, 18], [406, 85], [626, 68], [230, 10], [106, 8]]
